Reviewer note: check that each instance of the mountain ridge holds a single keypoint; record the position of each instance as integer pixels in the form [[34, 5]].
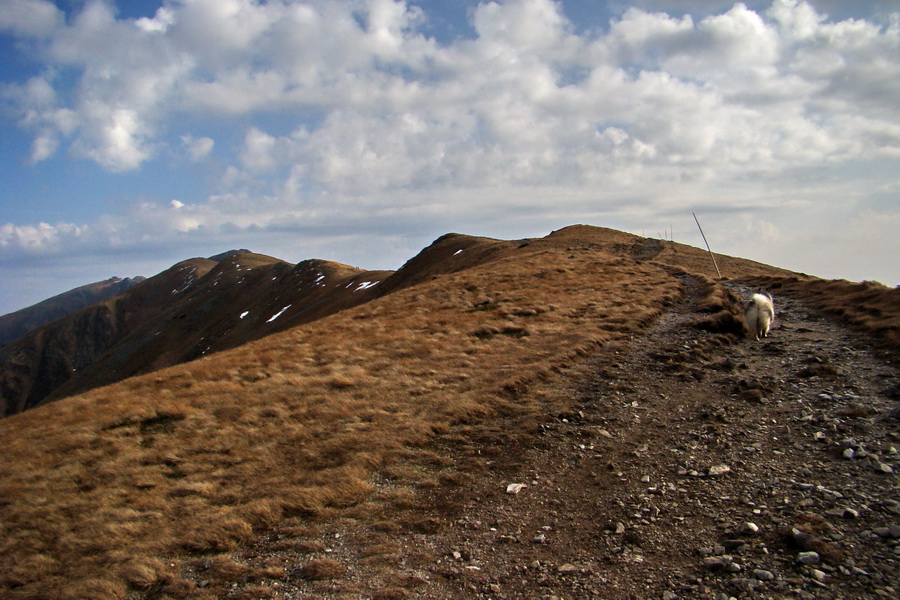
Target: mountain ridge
[[367, 453], [197, 306], [18, 323], [182, 314]]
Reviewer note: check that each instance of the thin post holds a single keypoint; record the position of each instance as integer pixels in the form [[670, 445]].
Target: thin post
[[707, 247]]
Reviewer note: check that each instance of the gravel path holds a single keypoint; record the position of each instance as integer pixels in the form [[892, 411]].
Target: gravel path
[[687, 465], [692, 468]]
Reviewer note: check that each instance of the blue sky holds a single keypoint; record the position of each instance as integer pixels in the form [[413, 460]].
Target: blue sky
[[139, 133]]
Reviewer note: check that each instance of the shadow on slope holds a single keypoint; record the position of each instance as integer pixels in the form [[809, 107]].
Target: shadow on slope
[[33, 366], [203, 306], [19, 323]]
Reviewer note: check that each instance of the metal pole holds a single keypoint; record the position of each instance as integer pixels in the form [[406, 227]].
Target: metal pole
[[707, 247]]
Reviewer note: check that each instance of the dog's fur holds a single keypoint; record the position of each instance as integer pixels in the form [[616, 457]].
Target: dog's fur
[[759, 314]]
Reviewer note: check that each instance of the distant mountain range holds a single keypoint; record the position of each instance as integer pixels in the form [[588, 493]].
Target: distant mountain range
[[17, 324], [196, 307]]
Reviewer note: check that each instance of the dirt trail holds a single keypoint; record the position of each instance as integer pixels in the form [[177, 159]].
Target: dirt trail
[[690, 469], [684, 465]]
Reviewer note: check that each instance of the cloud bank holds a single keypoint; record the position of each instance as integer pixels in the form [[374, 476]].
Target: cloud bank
[[327, 116]]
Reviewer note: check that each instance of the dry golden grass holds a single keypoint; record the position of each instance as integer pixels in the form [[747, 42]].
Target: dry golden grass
[[123, 488]]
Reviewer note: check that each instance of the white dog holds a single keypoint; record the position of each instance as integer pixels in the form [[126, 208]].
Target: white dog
[[759, 314]]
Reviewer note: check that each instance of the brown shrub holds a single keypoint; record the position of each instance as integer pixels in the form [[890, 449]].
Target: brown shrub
[[255, 592], [309, 547], [824, 371], [391, 594], [387, 526], [223, 567], [262, 514]]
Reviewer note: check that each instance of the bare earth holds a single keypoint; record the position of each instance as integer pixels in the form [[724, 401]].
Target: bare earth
[[686, 468]]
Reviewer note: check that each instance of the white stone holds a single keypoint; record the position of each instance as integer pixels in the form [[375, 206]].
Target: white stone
[[749, 528], [514, 488]]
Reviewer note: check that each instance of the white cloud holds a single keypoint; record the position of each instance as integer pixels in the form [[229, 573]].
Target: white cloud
[[197, 149], [847, 245], [528, 25], [42, 238], [258, 154], [334, 113], [37, 18], [722, 90], [160, 22], [117, 139]]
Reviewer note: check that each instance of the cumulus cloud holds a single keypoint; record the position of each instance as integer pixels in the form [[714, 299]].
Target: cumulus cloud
[[196, 149], [725, 89], [42, 238], [350, 104], [38, 18]]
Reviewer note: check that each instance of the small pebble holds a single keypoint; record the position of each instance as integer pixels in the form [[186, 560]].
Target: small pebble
[[718, 470], [763, 575]]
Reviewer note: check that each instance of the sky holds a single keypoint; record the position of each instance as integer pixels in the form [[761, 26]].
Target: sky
[[138, 133]]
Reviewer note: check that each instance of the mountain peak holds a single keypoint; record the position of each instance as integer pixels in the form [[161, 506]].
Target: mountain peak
[[229, 254]]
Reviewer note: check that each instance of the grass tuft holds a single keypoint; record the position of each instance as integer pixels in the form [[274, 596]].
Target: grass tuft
[[94, 589], [323, 569], [218, 536], [142, 575]]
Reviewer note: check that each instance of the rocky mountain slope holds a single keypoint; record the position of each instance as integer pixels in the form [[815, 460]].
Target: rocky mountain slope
[[577, 416], [16, 324]]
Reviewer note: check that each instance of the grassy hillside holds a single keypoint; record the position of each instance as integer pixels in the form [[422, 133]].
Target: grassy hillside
[[34, 366], [196, 307], [125, 488]]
